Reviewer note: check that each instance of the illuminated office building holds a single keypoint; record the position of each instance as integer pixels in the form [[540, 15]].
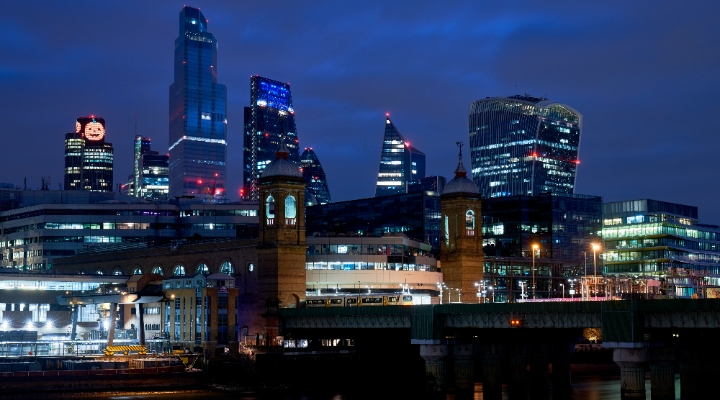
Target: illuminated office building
[[314, 175], [198, 121], [269, 119], [399, 163], [88, 158], [151, 179], [523, 146]]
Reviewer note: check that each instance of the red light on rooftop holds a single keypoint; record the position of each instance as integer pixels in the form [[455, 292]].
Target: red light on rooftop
[[216, 175], [577, 161], [199, 182], [534, 154]]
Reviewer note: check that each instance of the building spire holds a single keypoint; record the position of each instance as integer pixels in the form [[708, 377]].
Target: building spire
[[460, 171]]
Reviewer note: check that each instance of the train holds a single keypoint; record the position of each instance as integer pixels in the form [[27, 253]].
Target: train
[[360, 300]]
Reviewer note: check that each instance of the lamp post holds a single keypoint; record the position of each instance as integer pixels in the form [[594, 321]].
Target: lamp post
[[534, 247], [493, 293], [595, 247], [562, 286], [440, 288], [477, 285], [459, 294]]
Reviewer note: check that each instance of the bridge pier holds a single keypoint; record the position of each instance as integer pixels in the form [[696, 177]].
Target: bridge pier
[[539, 360], [662, 373], [517, 371], [464, 358], [435, 356], [492, 371], [561, 377], [632, 369]]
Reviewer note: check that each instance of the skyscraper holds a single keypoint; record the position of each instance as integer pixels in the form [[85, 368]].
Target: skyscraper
[[523, 145], [88, 158], [314, 175], [269, 118], [399, 162], [150, 176], [198, 121]]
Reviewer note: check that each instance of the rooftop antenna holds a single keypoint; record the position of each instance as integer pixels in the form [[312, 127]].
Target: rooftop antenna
[[24, 183], [460, 145]]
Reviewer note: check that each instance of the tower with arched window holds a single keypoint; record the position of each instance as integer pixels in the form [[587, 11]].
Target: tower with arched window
[[281, 247], [461, 253]]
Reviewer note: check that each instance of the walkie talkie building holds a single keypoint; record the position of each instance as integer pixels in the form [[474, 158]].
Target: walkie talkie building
[[523, 145]]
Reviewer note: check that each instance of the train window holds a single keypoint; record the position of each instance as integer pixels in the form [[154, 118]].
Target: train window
[[335, 301], [407, 298], [392, 299], [351, 301], [316, 301], [371, 300]]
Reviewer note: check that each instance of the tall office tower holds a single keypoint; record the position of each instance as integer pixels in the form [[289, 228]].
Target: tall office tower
[[399, 163], [268, 120], [522, 145], [151, 173], [314, 175], [88, 158], [198, 122], [141, 146]]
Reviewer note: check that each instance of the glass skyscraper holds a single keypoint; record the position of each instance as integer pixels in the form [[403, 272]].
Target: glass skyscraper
[[523, 145], [399, 163], [314, 176], [269, 118], [198, 146], [88, 158], [150, 177]]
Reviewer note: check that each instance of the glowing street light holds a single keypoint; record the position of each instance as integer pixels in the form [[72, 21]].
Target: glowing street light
[[595, 247], [534, 248]]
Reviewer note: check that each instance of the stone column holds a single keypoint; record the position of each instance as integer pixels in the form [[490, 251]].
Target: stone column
[[111, 331], [492, 371], [632, 371], [516, 359], [434, 356], [561, 379], [140, 323], [464, 358], [539, 360], [662, 373]]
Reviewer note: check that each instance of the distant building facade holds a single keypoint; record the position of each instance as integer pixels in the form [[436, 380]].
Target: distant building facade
[[434, 183], [198, 113], [523, 145], [399, 163], [151, 172], [88, 158], [314, 175], [269, 119]]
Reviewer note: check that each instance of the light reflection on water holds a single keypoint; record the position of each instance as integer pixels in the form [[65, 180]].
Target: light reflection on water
[[584, 388]]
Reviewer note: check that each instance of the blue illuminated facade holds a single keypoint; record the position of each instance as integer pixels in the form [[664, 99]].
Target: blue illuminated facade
[[198, 121], [269, 118], [399, 163], [523, 146]]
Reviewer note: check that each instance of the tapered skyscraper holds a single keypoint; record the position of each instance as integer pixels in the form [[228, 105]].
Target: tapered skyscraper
[[399, 163], [314, 175], [522, 145], [269, 119], [198, 147]]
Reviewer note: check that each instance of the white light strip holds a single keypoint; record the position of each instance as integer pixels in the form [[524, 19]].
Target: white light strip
[[198, 139]]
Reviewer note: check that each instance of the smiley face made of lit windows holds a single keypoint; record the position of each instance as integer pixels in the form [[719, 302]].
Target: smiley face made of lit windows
[[94, 131]]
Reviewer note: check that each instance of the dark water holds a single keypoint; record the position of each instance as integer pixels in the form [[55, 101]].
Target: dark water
[[584, 388]]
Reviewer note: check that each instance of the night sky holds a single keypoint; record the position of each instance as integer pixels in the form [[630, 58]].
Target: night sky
[[644, 74]]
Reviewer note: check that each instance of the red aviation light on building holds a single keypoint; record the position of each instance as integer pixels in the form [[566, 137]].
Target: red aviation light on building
[[216, 174], [199, 182], [577, 161], [534, 154]]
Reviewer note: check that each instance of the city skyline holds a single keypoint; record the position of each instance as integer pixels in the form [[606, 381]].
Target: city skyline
[[633, 69]]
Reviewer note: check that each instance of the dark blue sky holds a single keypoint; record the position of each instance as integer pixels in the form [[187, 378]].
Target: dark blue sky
[[644, 74]]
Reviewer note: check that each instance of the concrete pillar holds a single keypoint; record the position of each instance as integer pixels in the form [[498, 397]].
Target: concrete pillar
[[75, 312], [692, 385], [662, 373], [140, 323], [492, 371], [434, 356], [517, 360], [464, 359], [561, 378], [111, 331], [632, 371], [539, 382]]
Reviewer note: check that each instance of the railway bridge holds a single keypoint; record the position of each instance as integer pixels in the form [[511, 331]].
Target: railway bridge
[[504, 339]]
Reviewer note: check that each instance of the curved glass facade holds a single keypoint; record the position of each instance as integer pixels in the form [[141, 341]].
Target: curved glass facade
[[522, 145], [399, 163], [198, 121], [314, 175]]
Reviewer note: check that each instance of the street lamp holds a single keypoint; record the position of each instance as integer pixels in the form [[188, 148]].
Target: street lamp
[[595, 247], [534, 248], [440, 288], [477, 285], [562, 286], [493, 293]]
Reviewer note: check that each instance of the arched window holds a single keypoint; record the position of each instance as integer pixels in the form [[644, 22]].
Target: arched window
[[117, 271], [447, 231], [290, 210], [270, 210], [157, 270], [226, 268], [470, 223], [203, 269], [137, 271], [179, 271], [251, 267]]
